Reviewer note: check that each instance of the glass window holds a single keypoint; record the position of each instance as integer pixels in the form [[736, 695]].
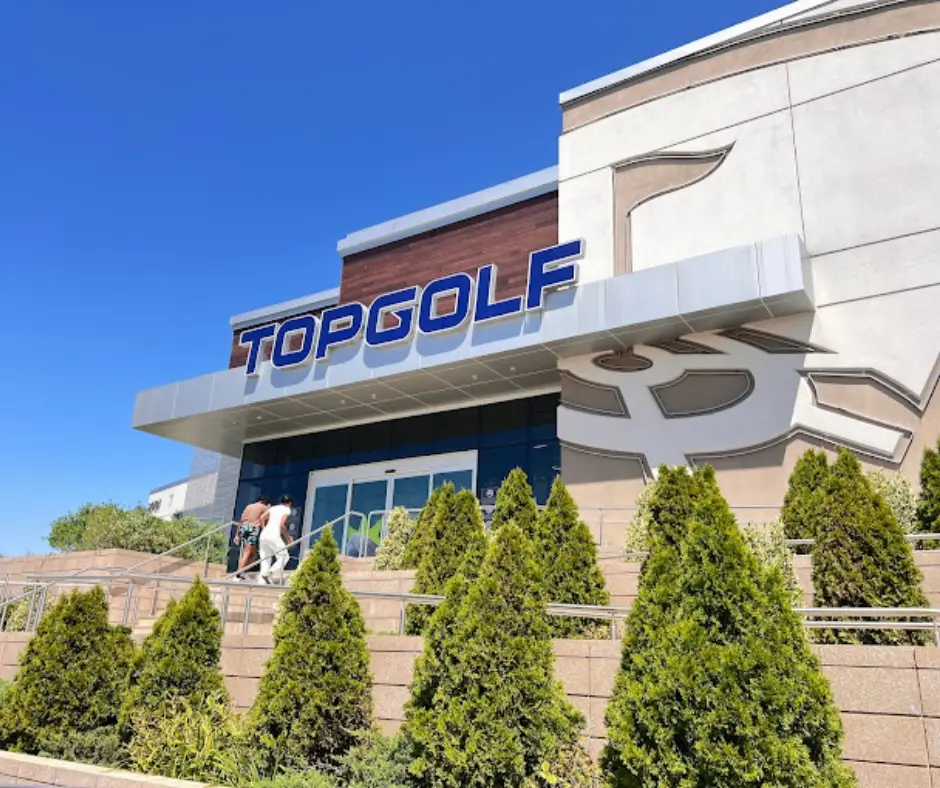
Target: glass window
[[411, 491], [543, 466], [367, 515], [462, 480], [328, 504], [504, 423]]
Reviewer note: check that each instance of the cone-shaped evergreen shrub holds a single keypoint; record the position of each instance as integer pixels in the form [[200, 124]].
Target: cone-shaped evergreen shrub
[[928, 505], [729, 692], [315, 695], [72, 677], [515, 502], [456, 530], [861, 558], [179, 660], [423, 531], [565, 548], [497, 714], [391, 553], [801, 502]]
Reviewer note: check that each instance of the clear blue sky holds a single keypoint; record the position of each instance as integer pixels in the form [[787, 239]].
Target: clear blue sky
[[165, 165]]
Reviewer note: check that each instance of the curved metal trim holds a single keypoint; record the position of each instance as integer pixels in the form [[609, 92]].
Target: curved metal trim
[[799, 346], [695, 348], [612, 455], [703, 373], [629, 351]]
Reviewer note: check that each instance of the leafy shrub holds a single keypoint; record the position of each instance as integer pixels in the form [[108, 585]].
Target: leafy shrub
[[4, 689], [726, 690], [193, 739], [17, 613], [378, 762], [423, 531], [769, 545], [107, 526], [861, 558], [101, 747], [178, 660], [637, 540], [515, 502], [455, 532], [73, 674], [573, 769], [898, 493], [496, 713], [565, 548], [928, 506], [802, 496], [315, 694], [309, 778], [391, 553]]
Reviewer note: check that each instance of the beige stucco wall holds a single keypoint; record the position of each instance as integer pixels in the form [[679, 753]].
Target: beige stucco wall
[[889, 697]]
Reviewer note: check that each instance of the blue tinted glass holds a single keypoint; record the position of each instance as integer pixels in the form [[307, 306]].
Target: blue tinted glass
[[411, 492], [543, 466], [366, 516], [462, 480], [328, 504]]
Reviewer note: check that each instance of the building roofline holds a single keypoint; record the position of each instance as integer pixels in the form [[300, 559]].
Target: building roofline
[[476, 204], [777, 17], [163, 487], [307, 303]]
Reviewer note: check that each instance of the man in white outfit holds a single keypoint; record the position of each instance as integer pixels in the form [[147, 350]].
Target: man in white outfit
[[273, 542]]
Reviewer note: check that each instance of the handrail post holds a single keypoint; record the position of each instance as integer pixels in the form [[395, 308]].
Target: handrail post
[[127, 603], [602, 527], [205, 566], [936, 632], [401, 618], [247, 613]]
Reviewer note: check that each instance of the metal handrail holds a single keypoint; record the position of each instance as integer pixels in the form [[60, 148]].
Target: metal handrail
[[849, 618], [31, 594]]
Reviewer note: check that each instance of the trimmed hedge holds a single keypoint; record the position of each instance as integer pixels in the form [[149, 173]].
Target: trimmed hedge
[[391, 553], [802, 497], [73, 675], [315, 694], [422, 534], [179, 660], [861, 558], [497, 716], [515, 502], [725, 690], [456, 530]]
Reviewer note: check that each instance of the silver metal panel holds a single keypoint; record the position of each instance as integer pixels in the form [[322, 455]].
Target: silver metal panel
[[720, 290], [295, 306]]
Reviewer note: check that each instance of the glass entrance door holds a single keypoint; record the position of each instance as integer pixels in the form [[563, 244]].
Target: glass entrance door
[[366, 493]]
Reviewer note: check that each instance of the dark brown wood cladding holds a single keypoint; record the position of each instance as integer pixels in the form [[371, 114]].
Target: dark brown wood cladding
[[506, 237]]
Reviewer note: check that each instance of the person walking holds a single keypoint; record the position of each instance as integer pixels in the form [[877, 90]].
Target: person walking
[[249, 531], [273, 542]]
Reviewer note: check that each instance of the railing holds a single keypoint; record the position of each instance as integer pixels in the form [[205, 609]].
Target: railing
[[32, 619], [791, 543], [228, 594]]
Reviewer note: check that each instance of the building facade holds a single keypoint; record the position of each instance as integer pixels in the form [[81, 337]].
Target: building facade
[[736, 258]]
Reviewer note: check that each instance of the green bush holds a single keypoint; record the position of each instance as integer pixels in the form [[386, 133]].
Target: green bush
[[72, 677], [637, 540], [515, 502], [377, 762], [315, 695], [802, 497], [310, 778], [422, 534], [391, 553], [898, 493], [4, 689], [565, 548], [572, 769], [107, 526], [178, 660], [497, 713], [928, 505], [101, 747], [861, 558], [726, 692], [769, 545], [197, 739], [456, 531]]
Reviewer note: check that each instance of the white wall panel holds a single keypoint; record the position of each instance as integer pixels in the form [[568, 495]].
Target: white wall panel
[[821, 75], [585, 210], [869, 168], [865, 271], [672, 119], [754, 194]]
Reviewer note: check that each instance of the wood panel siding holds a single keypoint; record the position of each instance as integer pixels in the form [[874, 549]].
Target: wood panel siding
[[506, 237]]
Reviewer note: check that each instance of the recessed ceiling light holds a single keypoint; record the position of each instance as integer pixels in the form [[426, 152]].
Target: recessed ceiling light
[[512, 369], [258, 418], [373, 396], [342, 402], [474, 376]]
